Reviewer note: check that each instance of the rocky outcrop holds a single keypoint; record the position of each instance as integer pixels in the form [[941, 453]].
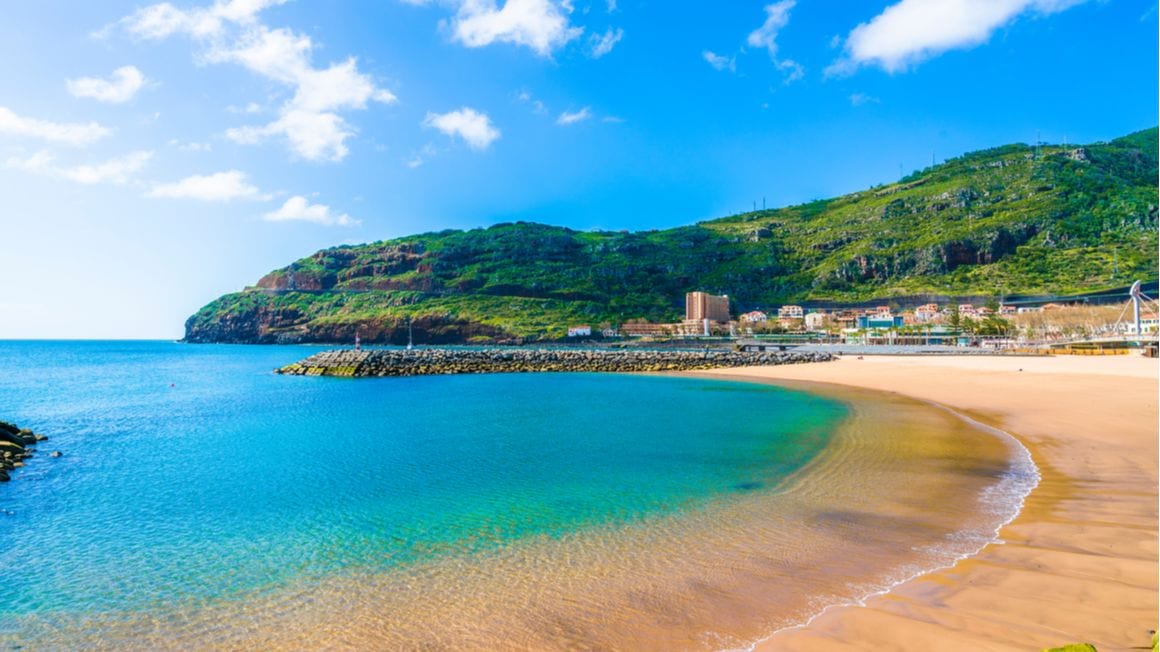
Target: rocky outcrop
[[424, 362], [15, 447]]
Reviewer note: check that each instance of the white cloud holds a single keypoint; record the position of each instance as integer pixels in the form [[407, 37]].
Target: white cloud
[[776, 17], [191, 146], [610, 5], [541, 25], [222, 187], [473, 127], [572, 118], [911, 31], [299, 209], [251, 108], [418, 159], [858, 99], [309, 120], [121, 87], [117, 170], [68, 133], [792, 69], [602, 44], [526, 96], [163, 20], [720, 62]]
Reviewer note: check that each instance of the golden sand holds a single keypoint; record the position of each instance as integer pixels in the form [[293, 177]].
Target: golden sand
[[1080, 561]]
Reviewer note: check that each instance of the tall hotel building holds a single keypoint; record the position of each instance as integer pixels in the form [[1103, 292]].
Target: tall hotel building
[[700, 306]]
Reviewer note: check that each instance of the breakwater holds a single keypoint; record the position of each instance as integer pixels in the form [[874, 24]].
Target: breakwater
[[15, 447], [421, 362]]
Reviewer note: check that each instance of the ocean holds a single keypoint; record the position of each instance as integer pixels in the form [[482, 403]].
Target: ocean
[[203, 501]]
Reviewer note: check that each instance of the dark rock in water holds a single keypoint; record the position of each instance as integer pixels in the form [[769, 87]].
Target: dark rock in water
[[15, 443], [55, 454], [748, 486], [13, 448]]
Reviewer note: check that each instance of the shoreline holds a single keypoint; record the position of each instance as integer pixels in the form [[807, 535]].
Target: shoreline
[[701, 579], [1018, 449], [1072, 567]]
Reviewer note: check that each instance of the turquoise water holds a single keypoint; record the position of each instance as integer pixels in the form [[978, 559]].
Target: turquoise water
[[191, 473]]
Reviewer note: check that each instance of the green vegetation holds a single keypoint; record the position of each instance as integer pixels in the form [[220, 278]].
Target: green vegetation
[[1014, 219]]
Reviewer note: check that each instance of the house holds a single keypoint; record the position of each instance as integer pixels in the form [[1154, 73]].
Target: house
[[846, 319], [754, 317], [817, 321], [579, 331], [926, 313], [877, 320], [644, 328], [790, 312]]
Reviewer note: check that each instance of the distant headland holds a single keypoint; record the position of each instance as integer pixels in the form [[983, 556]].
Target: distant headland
[[1017, 219]]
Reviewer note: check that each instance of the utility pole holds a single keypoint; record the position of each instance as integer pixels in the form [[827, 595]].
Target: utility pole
[[1135, 292]]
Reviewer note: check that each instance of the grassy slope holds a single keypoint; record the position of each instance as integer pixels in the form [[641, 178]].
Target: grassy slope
[[1001, 220]]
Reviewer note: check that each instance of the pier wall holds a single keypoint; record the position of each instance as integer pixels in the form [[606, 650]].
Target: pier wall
[[451, 361]]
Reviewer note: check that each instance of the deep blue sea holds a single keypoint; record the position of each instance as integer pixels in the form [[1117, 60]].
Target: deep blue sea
[[192, 473]]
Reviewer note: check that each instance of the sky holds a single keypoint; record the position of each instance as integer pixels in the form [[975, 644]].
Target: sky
[[156, 156]]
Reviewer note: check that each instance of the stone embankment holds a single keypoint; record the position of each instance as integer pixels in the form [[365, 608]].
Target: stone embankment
[[15, 445], [423, 362]]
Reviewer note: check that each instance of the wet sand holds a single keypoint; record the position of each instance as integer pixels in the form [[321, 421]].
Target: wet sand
[[1080, 561]]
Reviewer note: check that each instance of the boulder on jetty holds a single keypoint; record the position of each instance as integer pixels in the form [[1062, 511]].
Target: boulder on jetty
[[15, 447], [423, 362]]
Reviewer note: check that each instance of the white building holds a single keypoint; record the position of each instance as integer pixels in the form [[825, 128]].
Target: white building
[[579, 331], [816, 321], [790, 312]]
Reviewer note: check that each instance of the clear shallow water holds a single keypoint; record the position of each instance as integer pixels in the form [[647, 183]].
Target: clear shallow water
[[193, 475]]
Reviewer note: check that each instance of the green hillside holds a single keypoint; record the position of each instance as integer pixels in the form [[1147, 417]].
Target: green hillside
[[1012, 219]]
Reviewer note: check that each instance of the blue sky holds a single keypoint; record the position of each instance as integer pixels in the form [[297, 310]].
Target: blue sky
[[155, 156]]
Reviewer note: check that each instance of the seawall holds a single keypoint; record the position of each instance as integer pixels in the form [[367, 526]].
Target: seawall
[[351, 363]]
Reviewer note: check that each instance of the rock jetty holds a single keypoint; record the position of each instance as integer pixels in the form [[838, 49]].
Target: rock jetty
[[15, 443], [422, 362]]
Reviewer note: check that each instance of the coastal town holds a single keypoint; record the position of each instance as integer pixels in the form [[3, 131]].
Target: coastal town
[[989, 323]]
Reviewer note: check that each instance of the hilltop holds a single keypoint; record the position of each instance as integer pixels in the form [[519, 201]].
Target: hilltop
[[1013, 219]]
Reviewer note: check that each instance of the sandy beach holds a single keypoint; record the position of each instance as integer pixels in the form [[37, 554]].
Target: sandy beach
[[1079, 563]]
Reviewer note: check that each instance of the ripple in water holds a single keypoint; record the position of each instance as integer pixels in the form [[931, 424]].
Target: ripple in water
[[245, 510]]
